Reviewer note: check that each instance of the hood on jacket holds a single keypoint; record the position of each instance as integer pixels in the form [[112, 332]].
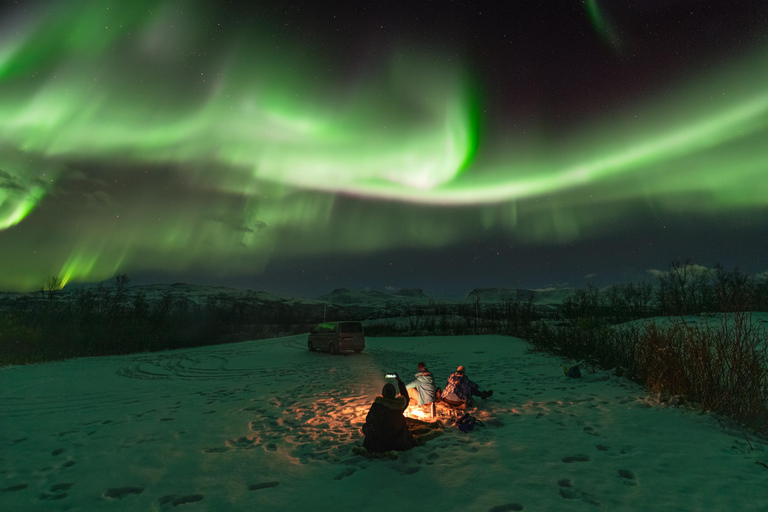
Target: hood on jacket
[[398, 403]]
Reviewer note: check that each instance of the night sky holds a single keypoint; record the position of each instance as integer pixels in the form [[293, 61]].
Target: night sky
[[300, 147]]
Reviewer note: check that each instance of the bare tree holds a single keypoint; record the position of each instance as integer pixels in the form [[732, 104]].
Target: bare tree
[[613, 299], [735, 291], [50, 285], [684, 288], [644, 298]]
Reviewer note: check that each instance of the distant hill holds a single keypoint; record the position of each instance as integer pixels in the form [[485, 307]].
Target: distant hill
[[547, 297], [357, 297], [344, 297], [200, 293], [552, 296], [411, 292]]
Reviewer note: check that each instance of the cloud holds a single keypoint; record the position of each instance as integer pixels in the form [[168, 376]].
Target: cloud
[[590, 276], [691, 269], [552, 287], [655, 273]]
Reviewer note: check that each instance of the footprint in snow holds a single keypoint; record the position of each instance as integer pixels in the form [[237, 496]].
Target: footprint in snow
[[52, 496], [344, 474], [191, 498], [118, 493], [568, 492], [263, 485], [13, 488], [628, 477], [579, 457], [244, 443], [172, 500], [216, 450]]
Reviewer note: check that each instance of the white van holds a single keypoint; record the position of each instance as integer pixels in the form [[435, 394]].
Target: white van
[[336, 337]]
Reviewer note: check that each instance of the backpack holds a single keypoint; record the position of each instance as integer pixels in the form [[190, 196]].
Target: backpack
[[466, 422]]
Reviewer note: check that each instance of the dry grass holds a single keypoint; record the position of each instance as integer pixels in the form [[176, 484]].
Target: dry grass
[[722, 366]]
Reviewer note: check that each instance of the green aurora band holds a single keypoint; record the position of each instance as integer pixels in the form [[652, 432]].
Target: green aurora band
[[128, 144], [602, 25]]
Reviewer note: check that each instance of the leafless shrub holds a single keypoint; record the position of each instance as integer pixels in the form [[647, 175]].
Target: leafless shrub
[[721, 365]]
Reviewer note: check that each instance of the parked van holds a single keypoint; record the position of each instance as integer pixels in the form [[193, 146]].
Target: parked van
[[336, 337]]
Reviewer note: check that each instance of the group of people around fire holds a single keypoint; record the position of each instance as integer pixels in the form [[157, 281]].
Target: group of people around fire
[[385, 426]]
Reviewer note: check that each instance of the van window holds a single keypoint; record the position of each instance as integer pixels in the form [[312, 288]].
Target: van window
[[351, 327], [324, 328]]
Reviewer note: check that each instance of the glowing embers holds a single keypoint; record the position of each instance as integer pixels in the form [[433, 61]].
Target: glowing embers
[[423, 412]]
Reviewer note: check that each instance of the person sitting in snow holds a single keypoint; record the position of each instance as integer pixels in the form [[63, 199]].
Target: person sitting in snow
[[459, 389], [385, 427], [422, 389]]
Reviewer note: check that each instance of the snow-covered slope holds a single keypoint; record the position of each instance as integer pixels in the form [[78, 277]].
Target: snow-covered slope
[[356, 297], [538, 297], [199, 294], [417, 293], [267, 425]]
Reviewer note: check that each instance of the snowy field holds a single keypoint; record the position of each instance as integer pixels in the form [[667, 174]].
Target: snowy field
[[267, 425]]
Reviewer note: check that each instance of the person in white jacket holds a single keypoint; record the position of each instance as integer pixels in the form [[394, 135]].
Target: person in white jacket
[[423, 388]]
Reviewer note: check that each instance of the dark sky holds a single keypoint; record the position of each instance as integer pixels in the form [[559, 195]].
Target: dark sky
[[302, 147]]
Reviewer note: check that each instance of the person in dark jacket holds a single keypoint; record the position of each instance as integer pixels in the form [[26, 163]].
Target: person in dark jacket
[[385, 427], [460, 390], [422, 389]]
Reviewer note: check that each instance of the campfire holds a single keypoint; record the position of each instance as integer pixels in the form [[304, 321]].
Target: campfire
[[423, 413]]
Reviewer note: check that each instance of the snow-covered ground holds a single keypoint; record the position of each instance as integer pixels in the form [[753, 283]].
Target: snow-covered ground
[[267, 425]]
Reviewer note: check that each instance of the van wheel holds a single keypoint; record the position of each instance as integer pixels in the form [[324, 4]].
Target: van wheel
[[309, 345], [332, 349]]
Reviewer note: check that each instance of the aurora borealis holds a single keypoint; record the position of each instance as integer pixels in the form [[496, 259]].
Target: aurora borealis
[[288, 143]]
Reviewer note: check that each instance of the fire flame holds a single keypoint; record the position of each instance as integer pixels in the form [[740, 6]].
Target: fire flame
[[418, 413]]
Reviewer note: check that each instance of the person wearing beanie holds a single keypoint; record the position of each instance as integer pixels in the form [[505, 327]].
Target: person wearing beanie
[[422, 389], [385, 427], [460, 389]]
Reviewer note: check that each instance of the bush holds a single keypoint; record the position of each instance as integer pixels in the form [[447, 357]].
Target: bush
[[722, 365]]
